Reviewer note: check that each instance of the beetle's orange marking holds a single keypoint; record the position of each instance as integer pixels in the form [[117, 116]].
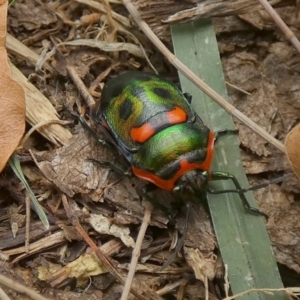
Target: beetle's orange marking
[[143, 133], [185, 166], [210, 152], [176, 116]]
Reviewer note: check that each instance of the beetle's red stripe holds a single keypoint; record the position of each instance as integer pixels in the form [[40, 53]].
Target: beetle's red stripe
[[143, 133], [185, 166]]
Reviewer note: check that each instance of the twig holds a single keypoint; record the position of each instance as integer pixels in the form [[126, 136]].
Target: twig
[[39, 125], [80, 86], [197, 81], [180, 294], [282, 26], [21, 289], [3, 295], [166, 289], [27, 228], [137, 251], [206, 287]]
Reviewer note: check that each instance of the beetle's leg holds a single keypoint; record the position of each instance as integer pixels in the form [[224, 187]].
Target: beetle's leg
[[257, 186], [86, 126], [188, 97], [148, 188], [110, 165], [181, 240], [224, 131], [239, 190]]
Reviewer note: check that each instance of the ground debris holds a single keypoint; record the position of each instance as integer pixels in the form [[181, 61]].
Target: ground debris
[[256, 59]]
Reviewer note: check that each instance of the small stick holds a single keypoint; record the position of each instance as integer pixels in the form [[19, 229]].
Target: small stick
[[81, 86], [168, 288], [21, 289], [282, 26], [197, 81], [27, 227], [180, 294], [39, 125], [137, 251], [206, 287], [3, 295]]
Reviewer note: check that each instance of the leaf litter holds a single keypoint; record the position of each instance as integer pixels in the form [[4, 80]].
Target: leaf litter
[[255, 58]]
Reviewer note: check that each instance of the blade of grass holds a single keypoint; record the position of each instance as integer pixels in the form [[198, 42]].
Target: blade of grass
[[16, 167], [242, 237]]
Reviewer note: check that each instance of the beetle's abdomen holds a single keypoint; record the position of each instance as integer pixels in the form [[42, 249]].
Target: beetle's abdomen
[[172, 152]]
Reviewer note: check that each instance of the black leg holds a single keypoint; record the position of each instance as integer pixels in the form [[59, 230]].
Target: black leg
[[148, 188], [181, 240], [224, 131], [239, 190], [188, 97], [255, 187], [86, 126]]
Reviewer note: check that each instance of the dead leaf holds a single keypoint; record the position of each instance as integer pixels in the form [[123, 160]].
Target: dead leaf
[[33, 15], [200, 233], [72, 172], [283, 224], [12, 108], [292, 149], [104, 226]]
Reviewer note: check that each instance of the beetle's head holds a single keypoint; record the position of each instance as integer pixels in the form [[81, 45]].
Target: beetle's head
[[192, 182]]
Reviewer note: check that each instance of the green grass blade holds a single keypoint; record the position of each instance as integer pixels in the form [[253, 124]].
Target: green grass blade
[[242, 237], [16, 166]]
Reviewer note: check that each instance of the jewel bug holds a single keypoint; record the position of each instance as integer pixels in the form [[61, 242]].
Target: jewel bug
[[153, 125]]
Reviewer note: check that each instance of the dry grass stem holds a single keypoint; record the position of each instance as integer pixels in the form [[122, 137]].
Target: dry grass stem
[[137, 251], [3, 295], [80, 86], [21, 50], [27, 226], [21, 289]]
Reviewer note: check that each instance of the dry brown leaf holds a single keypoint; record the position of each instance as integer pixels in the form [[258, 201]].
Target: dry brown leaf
[[292, 146], [283, 224], [200, 233], [104, 225], [32, 15], [70, 170], [12, 108]]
